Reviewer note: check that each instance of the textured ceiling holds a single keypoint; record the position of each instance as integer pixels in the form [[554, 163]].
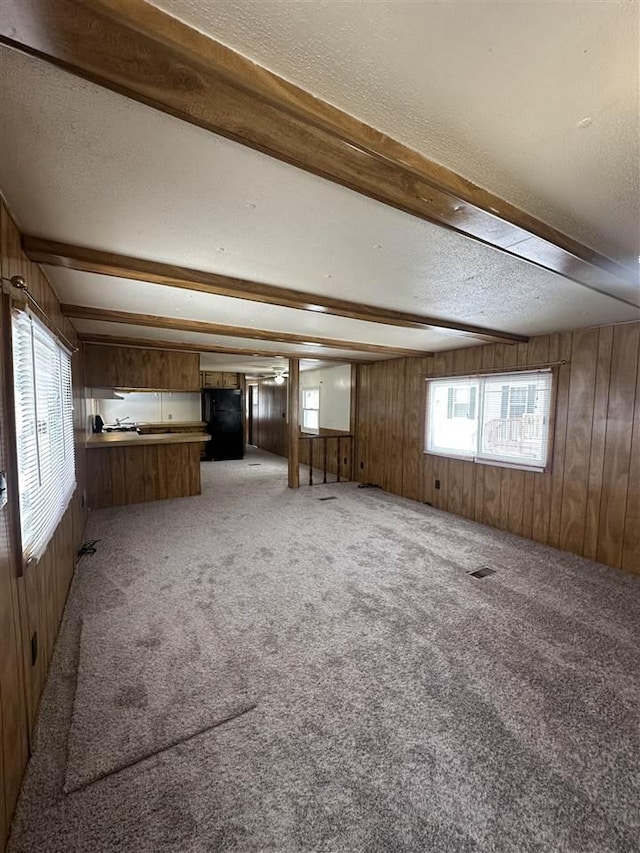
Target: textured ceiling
[[536, 101], [254, 366], [83, 165], [101, 327], [97, 291]]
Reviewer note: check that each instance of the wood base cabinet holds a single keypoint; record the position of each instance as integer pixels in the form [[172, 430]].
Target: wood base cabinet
[[128, 475]]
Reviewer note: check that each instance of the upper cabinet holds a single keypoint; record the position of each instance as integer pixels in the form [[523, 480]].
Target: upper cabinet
[[219, 379], [130, 367]]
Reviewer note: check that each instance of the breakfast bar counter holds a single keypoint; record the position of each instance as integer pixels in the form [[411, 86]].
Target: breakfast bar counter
[[127, 468]]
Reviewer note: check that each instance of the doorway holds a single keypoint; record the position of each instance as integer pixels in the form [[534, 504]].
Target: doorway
[[252, 415]]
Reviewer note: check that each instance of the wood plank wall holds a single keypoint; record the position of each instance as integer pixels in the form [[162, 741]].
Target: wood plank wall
[[589, 503], [34, 602], [271, 427]]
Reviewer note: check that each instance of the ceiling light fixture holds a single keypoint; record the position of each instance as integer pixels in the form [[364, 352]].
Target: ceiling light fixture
[[279, 374]]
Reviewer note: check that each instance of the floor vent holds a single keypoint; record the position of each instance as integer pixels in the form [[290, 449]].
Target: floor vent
[[253, 464], [330, 498], [482, 572]]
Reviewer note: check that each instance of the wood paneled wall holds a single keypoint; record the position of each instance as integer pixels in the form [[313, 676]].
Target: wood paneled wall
[[34, 602], [271, 426], [589, 502], [132, 367]]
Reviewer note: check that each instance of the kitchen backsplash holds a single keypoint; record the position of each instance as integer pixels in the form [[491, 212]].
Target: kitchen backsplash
[[150, 407]]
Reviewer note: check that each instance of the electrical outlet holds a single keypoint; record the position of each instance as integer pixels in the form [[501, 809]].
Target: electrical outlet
[[437, 484], [34, 648]]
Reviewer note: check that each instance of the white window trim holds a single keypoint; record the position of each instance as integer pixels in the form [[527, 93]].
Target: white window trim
[[305, 429], [486, 460]]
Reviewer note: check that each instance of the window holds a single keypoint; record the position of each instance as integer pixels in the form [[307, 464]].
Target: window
[[501, 418], [311, 409], [44, 431]]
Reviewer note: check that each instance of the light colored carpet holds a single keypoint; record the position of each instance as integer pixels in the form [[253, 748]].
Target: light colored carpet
[[128, 692], [402, 705]]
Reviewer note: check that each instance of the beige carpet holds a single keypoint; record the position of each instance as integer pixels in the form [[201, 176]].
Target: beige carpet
[[401, 704]]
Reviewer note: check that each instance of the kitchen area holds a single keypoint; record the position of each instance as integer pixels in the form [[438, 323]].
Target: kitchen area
[[153, 416]]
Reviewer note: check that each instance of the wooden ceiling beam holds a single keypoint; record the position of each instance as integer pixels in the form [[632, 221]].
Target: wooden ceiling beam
[[82, 312], [140, 51], [122, 266], [151, 343]]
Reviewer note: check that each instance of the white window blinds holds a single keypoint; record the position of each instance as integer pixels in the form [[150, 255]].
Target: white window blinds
[[44, 430]]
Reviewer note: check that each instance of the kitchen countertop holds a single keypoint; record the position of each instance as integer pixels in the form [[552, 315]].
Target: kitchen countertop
[[132, 439], [171, 424]]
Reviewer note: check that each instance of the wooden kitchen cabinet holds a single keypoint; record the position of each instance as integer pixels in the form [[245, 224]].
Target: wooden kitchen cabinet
[[131, 367], [218, 379]]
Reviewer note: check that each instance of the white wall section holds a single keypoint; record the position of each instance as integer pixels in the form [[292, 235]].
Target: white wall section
[[335, 394]]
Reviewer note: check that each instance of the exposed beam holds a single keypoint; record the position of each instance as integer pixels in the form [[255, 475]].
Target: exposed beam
[[82, 312], [293, 431], [123, 266], [152, 343], [138, 50]]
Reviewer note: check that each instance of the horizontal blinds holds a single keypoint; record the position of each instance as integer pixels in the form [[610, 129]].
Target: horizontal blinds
[[44, 430], [501, 418], [515, 418]]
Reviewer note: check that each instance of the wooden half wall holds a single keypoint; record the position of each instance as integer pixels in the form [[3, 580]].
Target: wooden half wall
[[30, 604], [589, 503]]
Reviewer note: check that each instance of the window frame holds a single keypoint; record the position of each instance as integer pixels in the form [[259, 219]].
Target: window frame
[[32, 548], [304, 409], [552, 370]]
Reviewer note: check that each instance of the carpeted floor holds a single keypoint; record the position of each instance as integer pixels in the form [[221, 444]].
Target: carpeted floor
[[256, 669]]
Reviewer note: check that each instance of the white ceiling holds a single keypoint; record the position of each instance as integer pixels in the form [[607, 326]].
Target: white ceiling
[[83, 165], [109, 292], [101, 327], [536, 101], [255, 366]]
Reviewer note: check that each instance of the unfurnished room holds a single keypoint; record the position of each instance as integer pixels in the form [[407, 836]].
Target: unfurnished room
[[320, 426]]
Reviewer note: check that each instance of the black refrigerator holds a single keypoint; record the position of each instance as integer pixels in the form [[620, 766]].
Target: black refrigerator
[[222, 412]]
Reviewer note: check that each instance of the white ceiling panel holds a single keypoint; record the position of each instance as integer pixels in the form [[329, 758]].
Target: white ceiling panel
[[253, 366], [118, 294], [546, 310], [83, 165], [536, 101], [123, 330]]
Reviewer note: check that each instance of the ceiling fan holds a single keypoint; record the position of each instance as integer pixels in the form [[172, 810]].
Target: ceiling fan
[[280, 373]]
